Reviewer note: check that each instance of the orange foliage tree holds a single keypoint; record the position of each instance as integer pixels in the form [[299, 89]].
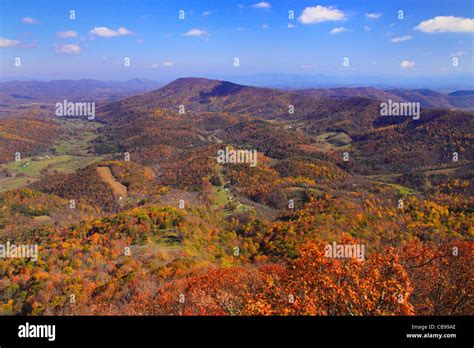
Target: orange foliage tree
[[318, 285]]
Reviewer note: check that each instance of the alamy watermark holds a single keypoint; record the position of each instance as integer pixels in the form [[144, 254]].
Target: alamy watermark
[[76, 109], [37, 331], [229, 155], [393, 108], [345, 251], [14, 251]]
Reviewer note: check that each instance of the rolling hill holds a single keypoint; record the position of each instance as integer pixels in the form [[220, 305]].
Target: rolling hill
[[150, 126]]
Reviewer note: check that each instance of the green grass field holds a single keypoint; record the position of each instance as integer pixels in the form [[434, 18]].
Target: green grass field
[[27, 171], [78, 137], [7, 184], [36, 168], [329, 141], [220, 196], [403, 189], [221, 199], [70, 153]]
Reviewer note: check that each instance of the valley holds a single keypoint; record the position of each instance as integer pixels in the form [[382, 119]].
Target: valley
[[156, 215], [72, 151]]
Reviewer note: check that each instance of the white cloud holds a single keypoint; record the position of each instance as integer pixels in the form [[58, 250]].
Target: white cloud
[[29, 20], [373, 15], [67, 49], [367, 28], [306, 66], [291, 26], [402, 38], [66, 34], [264, 26], [318, 14], [108, 33], [195, 32], [6, 43], [446, 24], [169, 64], [337, 30], [9, 43], [262, 4], [206, 13], [407, 64]]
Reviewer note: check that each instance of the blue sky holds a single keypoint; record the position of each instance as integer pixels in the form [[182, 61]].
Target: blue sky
[[162, 46]]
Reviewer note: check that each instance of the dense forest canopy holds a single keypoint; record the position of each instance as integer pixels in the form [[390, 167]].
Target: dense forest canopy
[[132, 212]]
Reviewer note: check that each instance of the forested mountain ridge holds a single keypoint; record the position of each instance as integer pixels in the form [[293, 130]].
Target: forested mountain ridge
[[427, 98]]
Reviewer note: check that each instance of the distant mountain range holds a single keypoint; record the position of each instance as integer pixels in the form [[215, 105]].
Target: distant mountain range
[[426, 97], [199, 95], [449, 82], [196, 91], [260, 118], [445, 83], [79, 90]]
